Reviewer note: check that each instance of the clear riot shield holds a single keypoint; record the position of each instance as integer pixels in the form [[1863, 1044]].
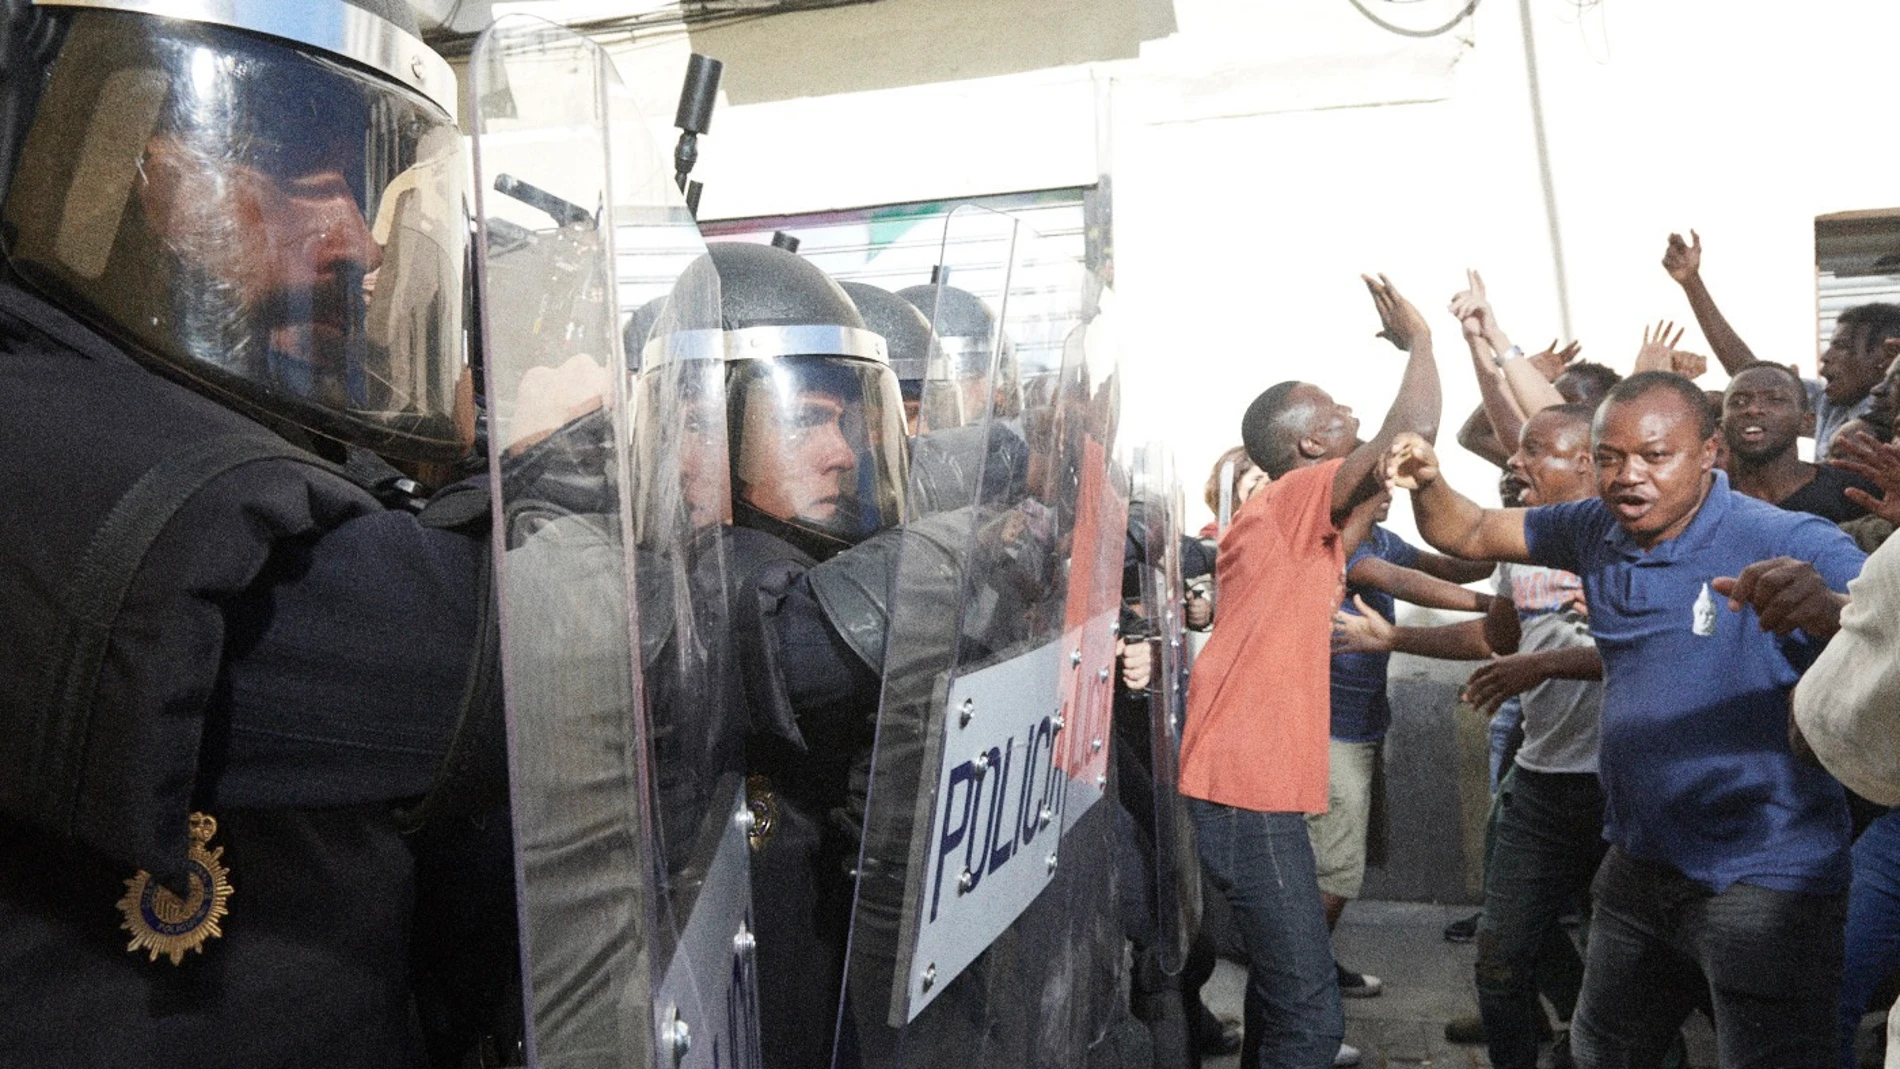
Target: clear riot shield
[[1177, 870], [632, 888], [982, 881]]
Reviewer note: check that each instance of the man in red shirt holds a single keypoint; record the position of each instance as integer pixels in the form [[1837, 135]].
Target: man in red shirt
[[1254, 753]]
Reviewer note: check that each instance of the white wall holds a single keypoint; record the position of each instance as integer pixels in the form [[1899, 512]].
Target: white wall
[[1265, 154]]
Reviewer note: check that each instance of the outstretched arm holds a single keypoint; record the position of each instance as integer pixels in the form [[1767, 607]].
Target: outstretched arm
[[1477, 435], [1415, 410], [1519, 672], [1453, 570], [1447, 519], [1407, 584], [1371, 633], [1683, 260]]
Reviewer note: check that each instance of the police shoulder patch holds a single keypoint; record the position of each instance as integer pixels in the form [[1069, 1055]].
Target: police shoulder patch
[[163, 922]]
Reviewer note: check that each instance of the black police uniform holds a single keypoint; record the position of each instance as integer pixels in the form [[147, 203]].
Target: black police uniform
[[289, 656]]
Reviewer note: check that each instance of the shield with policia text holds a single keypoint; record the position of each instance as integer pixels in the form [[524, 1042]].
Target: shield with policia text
[[982, 827], [628, 796], [1155, 740]]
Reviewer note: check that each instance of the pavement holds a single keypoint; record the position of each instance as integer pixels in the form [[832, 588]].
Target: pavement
[[1427, 982]]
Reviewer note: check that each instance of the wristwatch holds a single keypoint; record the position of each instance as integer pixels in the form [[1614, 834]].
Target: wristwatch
[[1509, 354]]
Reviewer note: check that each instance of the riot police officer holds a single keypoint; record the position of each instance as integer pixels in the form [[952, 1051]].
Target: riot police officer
[[233, 250], [968, 339], [815, 437], [916, 358]]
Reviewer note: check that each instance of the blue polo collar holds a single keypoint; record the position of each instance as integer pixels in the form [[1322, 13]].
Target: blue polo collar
[[1700, 532]]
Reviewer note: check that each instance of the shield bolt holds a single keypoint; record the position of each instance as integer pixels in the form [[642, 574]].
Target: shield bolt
[[1096, 746], [982, 764], [1075, 657], [676, 1036], [1102, 675], [744, 942], [1052, 862], [1057, 724], [966, 712], [930, 976], [1042, 820], [965, 881]]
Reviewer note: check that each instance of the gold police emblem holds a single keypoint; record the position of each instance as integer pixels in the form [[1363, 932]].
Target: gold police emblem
[[762, 801], [164, 922]]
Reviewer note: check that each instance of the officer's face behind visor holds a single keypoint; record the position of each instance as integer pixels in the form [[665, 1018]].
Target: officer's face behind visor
[[280, 228], [819, 443]]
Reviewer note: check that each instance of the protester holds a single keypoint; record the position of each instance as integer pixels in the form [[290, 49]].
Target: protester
[[1866, 340], [1254, 752], [1727, 867], [1763, 412]]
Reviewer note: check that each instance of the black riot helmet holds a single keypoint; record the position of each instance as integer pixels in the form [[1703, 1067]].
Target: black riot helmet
[[262, 199], [814, 420], [915, 356], [967, 333]]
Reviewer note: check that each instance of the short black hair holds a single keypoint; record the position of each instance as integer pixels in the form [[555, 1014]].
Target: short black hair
[[1578, 412], [1644, 383], [1873, 323], [1264, 430], [1800, 384], [1589, 382]]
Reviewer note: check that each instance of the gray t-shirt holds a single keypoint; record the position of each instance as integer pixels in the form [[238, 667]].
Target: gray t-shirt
[[1563, 718], [1828, 416]]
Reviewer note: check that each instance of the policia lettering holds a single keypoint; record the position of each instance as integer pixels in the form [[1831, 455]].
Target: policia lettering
[[1000, 840]]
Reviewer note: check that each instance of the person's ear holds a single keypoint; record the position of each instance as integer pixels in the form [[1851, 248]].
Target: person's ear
[[1889, 349], [1311, 448], [1711, 450]]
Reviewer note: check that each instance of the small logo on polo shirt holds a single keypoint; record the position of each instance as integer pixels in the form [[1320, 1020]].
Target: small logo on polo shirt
[[1704, 623]]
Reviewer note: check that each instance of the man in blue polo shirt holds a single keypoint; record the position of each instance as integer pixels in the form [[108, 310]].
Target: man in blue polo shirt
[[1728, 862]]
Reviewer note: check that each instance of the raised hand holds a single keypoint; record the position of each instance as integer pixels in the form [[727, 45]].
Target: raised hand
[[1659, 342], [1787, 594], [1366, 633], [1683, 259], [1870, 458], [1687, 364], [1471, 307], [1552, 361], [1400, 322], [1411, 464]]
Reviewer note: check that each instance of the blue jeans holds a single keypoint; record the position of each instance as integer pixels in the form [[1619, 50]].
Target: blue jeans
[[1548, 844], [1505, 735], [1263, 863], [1873, 924], [1768, 961]]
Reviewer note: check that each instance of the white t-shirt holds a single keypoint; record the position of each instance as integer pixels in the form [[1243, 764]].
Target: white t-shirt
[[1848, 703], [1563, 718], [1828, 416]]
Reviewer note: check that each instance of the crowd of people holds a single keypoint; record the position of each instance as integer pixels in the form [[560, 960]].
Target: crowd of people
[[1683, 653]]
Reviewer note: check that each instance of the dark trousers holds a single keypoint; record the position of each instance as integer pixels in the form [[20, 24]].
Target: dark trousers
[[1263, 863], [1873, 926], [1548, 844], [1768, 961]]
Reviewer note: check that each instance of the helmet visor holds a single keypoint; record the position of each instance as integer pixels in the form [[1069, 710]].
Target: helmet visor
[[283, 230], [818, 444]]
